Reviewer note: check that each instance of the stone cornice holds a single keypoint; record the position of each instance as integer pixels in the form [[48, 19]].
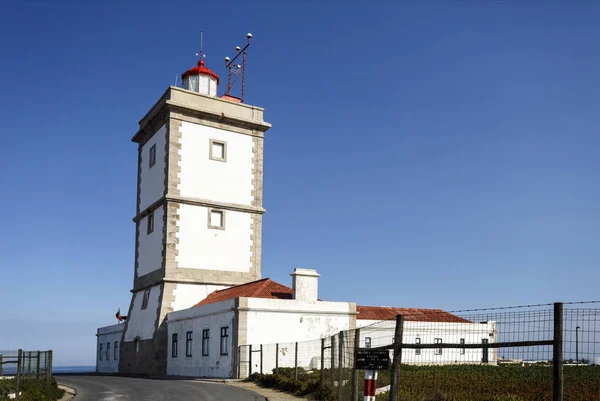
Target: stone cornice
[[199, 202]]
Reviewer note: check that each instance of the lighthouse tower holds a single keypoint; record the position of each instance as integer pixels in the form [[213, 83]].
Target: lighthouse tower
[[199, 209]]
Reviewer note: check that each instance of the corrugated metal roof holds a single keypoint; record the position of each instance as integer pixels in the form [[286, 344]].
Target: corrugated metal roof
[[265, 288], [410, 314]]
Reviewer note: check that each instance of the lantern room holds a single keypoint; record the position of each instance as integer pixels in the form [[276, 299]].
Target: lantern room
[[200, 79]]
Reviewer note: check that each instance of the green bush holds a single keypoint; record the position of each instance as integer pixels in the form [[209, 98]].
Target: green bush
[[31, 389]]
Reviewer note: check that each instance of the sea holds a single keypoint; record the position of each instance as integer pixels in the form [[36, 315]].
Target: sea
[[56, 369]]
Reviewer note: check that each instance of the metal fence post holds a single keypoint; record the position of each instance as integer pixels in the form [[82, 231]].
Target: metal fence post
[[322, 384], [50, 364], [261, 359], [28, 363], [332, 364], [354, 369], [296, 363], [19, 355], [0, 365], [557, 351], [395, 379], [277, 358], [340, 367], [37, 366], [250, 360]]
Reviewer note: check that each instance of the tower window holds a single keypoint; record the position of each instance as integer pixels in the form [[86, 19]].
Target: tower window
[[216, 219], [218, 150], [145, 299], [152, 156], [150, 228]]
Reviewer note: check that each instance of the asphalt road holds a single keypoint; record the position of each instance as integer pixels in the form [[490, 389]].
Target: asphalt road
[[113, 388]]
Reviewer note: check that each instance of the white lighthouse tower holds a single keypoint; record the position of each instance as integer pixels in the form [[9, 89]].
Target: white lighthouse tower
[[199, 209]]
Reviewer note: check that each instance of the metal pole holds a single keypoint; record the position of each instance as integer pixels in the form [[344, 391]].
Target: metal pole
[[239, 361], [277, 358], [340, 367], [322, 384], [354, 369], [577, 345], [0, 365], [28, 364], [261, 359], [37, 367], [19, 356], [250, 361], [557, 351], [296, 363], [332, 364], [395, 379], [370, 384]]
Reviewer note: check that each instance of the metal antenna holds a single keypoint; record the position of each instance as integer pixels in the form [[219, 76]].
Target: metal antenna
[[236, 69], [201, 34]]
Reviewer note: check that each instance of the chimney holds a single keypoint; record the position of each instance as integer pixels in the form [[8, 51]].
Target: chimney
[[305, 285]]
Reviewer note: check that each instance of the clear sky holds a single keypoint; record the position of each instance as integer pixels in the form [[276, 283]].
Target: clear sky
[[423, 154]]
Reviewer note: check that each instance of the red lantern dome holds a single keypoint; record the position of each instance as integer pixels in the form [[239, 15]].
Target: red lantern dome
[[200, 79]]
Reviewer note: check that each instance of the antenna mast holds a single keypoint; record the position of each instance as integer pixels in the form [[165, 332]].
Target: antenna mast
[[236, 69]]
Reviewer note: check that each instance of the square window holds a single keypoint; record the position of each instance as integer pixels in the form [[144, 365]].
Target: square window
[[150, 228], [418, 350], [146, 298], [216, 219], [224, 340], [367, 342], [437, 351], [188, 343], [152, 156], [116, 356], [218, 150], [174, 345], [205, 339]]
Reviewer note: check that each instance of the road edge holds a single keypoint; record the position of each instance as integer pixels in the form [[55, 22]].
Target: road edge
[[69, 393]]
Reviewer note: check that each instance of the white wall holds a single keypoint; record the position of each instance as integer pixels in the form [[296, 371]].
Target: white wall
[[109, 334], [450, 333], [151, 245], [140, 322], [212, 317], [188, 295], [201, 177], [285, 322], [201, 247], [152, 186]]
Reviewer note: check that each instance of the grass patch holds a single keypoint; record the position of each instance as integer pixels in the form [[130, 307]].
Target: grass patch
[[31, 389]]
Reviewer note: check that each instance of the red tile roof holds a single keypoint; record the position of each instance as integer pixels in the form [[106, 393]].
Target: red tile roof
[[265, 288], [410, 314]]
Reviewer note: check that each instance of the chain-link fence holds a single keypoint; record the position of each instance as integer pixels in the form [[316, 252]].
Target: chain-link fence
[[25, 365], [513, 354]]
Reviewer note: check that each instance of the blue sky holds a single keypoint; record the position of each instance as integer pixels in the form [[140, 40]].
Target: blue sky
[[423, 154]]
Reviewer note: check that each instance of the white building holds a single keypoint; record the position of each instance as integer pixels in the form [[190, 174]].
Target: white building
[[197, 288]]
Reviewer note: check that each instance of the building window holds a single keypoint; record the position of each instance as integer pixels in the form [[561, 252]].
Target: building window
[[462, 342], [108, 351], [152, 158], [218, 150], [216, 219], [437, 351], [188, 343], [150, 219], [136, 344], [146, 298], [418, 350], [174, 345], [116, 351], [367, 342], [100, 352], [224, 340], [205, 338]]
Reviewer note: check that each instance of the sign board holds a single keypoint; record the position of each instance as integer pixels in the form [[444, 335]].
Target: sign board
[[373, 359]]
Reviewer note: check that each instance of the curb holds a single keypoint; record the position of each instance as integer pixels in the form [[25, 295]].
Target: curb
[[69, 393]]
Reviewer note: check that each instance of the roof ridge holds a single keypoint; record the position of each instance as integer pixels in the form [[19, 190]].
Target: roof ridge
[[241, 285]]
